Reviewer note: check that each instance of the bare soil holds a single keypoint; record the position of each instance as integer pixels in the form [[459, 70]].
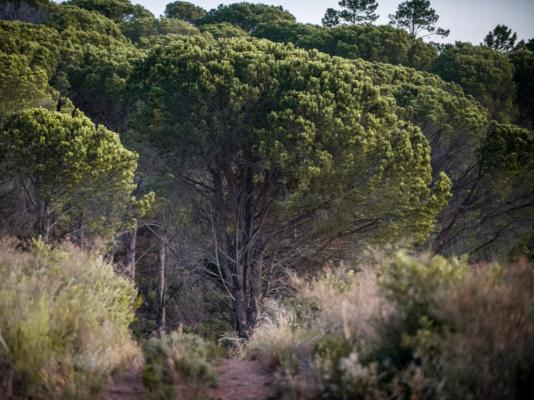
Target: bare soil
[[243, 380], [125, 386]]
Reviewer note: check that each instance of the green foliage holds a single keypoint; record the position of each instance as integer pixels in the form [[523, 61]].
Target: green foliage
[[22, 86], [69, 166], [453, 123], [331, 18], [411, 283], [39, 44], [140, 28], [523, 62], [185, 11], [417, 17], [290, 133], [246, 15], [507, 148], [223, 30], [493, 211], [373, 43], [86, 60], [116, 10], [68, 18], [178, 366], [483, 73], [358, 11], [501, 39], [64, 318]]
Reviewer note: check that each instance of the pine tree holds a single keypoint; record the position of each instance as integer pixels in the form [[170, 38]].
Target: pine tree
[[416, 16], [358, 11]]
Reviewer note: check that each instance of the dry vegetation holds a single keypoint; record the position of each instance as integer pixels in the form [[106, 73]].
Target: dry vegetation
[[64, 317], [417, 327]]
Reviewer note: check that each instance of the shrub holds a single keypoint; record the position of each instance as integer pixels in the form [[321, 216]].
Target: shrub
[[418, 327], [177, 366], [64, 318], [486, 347]]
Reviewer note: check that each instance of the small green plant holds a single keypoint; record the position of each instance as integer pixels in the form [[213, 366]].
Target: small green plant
[[177, 366]]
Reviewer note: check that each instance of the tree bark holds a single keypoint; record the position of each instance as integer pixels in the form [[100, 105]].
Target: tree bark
[[43, 221], [255, 291], [131, 243], [162, 282]]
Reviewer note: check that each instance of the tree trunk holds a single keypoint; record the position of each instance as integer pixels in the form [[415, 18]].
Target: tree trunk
[[240, 311], [255, 291], [162, 284], [131, 243], [42, 225]]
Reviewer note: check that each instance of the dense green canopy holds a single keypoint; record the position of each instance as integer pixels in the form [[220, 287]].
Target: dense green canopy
[[483, 73], [185, 11], [116, 10], [290, 148], [68, 167], [246, 15], [374, 43], [523, 62]]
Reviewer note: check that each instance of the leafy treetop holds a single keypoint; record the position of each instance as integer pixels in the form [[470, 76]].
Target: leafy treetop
[[185, 11], [417, 17], [246, 15], [501, 38]]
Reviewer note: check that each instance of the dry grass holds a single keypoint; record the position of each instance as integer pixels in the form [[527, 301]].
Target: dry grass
[[405, 327], [64, 318]]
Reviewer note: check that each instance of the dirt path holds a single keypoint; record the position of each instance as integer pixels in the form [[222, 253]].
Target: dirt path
[[125, 386], [242, 380]]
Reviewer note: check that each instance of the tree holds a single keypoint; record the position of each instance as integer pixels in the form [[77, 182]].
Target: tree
[[291, 153], [501, 39], [185, 11], [358, 11], [495, 215], [381, 43], [523, 62], [117, 10], [246, 15], [22, 86], [71, 171], [140, 28], [483, 73], [223, 30], [416, 16], [331, 18]]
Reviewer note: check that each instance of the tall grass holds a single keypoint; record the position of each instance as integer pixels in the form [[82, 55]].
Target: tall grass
[[64, 317], [407, 328], [178, 366]]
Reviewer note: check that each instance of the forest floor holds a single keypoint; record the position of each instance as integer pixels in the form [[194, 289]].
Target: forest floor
[[125, 386], [237, 380], [242, 380]]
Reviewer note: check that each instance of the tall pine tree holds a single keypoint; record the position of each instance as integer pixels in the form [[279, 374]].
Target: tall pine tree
[[417, 17]]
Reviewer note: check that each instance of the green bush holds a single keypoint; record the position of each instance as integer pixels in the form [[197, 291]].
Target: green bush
[[177, 366], [64, 317]]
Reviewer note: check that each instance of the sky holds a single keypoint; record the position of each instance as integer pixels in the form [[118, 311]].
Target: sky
[[468, 20]]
